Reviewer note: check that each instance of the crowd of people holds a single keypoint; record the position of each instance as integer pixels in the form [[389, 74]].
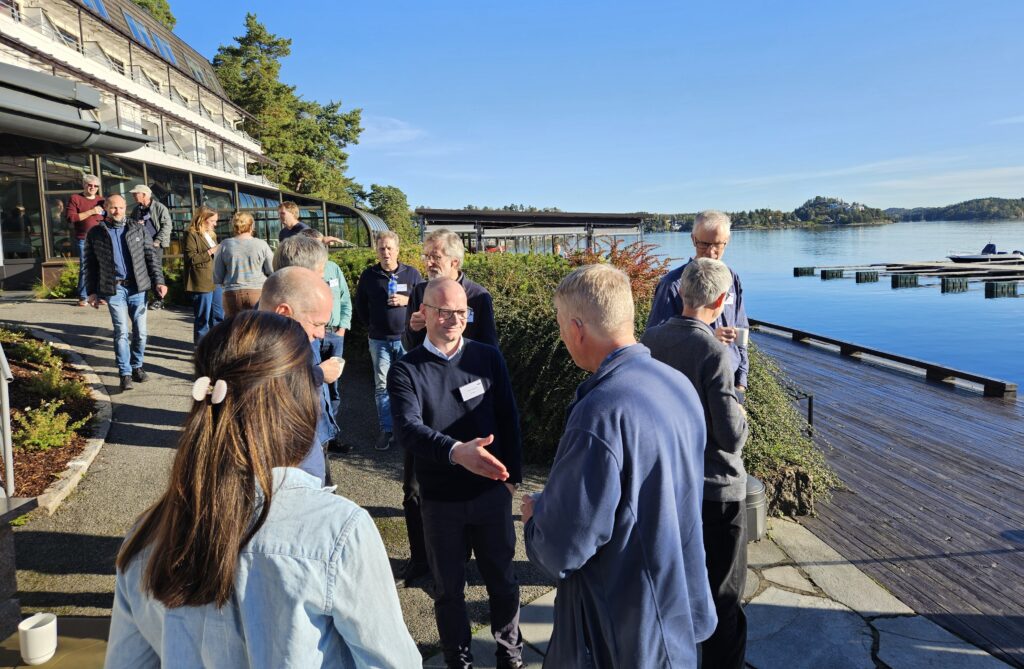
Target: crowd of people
[[249, 558]]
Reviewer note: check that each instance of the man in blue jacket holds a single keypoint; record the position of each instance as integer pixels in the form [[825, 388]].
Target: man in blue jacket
[[632, 583], [454, 411], [711, 233]]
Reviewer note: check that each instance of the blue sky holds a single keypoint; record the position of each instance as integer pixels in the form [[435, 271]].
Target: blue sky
[[661, 106]]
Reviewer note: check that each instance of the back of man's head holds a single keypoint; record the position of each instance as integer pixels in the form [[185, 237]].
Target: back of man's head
[[703, 282], [600, 296], [301, 251], [297, 287]]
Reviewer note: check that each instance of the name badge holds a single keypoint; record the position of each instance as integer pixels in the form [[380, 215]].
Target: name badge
[[471, 390], [730, 298], [403, 288], [333, 283]]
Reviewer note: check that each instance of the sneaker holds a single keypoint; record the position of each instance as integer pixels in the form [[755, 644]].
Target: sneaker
[[140, 375], [156, 304], [383, 441], [336, 445], [126, 382]]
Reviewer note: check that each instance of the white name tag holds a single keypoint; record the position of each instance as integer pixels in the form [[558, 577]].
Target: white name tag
[[731, 298], [471, 390], [333, 283], [402, 288]]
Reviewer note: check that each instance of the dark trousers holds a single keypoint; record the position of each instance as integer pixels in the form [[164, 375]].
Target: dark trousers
[[485, 524], [725, 543], [158, 256], [411, 502]]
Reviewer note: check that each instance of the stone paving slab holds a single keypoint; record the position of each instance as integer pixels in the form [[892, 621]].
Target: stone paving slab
[[536, 620], [789, 577], [483, 654], [764, 553], [793, 631], [830, 571], [917, 643]]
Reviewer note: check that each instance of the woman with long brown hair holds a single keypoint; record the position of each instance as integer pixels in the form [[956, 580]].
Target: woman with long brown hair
[[200, 248], [247, 561]]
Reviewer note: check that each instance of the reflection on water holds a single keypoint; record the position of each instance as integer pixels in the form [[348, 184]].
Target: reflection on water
[[961, 330]]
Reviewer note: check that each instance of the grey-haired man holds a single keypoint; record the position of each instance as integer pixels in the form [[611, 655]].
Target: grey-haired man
[[156, 218]]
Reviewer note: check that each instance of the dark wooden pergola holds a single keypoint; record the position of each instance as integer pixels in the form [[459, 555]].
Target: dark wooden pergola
[[532, 229]]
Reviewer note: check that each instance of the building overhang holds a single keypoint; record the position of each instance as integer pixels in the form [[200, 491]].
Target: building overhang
[[41, 113]]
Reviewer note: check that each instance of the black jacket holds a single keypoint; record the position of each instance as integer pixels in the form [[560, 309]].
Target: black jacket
[[481, 328], [371, 303], [144, 271]]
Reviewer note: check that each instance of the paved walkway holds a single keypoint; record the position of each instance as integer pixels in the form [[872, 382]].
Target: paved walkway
[[807, 606]]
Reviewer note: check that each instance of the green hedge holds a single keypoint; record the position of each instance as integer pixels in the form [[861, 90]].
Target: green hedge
[[778, 451]]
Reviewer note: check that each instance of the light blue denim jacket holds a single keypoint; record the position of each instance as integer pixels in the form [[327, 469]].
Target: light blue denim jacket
[[313, 589]]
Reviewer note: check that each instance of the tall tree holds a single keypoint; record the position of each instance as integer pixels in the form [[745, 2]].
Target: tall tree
[[390, 203], [159, 10], [306, 140]]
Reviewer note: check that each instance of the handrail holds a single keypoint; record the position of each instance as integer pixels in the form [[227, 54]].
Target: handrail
[[5, 406], [933, 371]]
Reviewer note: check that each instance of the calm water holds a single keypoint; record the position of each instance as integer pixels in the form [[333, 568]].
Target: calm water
[[961, 330]]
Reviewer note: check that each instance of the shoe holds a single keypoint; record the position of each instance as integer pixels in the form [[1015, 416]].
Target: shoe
[[338, 446], [156, 304], [413, 572], [139, 374], [383, 441], [126, 382], [82, 303], [511, 663]]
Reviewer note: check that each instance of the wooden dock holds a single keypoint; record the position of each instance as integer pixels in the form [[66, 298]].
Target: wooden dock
[[934, 509], [1001, 271]]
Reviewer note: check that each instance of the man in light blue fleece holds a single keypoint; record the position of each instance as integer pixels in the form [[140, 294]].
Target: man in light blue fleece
[[687, 343], [632, 583]]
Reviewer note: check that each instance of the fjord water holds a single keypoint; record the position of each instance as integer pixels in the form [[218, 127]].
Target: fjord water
[[960, 330]]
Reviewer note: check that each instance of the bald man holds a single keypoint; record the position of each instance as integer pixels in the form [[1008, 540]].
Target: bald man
[[120, 266], [302, 295], [452, 407]]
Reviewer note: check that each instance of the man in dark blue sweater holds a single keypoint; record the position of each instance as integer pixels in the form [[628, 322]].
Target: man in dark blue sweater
[[384, 316], [454, 411]]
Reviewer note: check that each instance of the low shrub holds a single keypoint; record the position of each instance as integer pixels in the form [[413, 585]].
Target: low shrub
[[66, 285], [44, 427], [19, 347], [50, 383]]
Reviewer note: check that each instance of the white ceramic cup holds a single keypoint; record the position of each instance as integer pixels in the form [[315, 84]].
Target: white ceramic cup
[[742, 336], [341, 361], [37, 637]]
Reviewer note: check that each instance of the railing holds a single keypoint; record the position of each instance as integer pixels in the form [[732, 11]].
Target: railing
[[5, 405], [932, 371]]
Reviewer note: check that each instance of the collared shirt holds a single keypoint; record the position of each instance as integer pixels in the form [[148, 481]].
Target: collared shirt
[[313, 588], [116, 231], [285, 233], [429, 345]]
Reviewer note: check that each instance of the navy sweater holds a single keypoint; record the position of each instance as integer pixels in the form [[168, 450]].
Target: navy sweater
[[383, 321], [430, 416], [482, 328]]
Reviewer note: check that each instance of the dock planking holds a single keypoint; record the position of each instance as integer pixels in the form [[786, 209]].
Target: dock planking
[[935, 503]]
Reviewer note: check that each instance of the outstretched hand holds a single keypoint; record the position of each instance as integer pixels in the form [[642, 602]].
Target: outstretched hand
[[473, 456]]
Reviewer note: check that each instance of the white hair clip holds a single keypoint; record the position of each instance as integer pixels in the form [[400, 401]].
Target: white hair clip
[[201, 388]]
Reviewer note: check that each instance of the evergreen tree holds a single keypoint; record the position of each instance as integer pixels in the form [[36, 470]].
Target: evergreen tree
[[159, 10], [306, 140], [390, 203]]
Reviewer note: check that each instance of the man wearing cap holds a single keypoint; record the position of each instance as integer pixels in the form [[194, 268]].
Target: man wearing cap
[[155, 217]]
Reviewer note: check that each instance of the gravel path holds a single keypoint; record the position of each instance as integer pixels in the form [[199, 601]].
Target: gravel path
[[66, 562]]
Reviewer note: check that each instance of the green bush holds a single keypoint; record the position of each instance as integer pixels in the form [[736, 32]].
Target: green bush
[[51, 384], [45, 427], [19, 347], [174, 271], [65, 287]]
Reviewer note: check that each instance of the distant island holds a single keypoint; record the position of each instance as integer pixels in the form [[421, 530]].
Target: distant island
[[982, 209], [816, 211]]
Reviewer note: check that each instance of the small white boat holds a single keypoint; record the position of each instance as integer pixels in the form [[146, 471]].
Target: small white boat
[[988, 254]]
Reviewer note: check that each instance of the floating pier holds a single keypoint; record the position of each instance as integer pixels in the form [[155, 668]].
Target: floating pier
[[1000, 278]]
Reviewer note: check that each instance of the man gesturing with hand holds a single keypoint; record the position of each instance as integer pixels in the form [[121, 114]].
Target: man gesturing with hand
[[453, 409]]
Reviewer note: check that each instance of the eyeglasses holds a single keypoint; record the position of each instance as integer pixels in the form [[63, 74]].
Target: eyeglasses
[[434, 257], [704, 246], [92, 185], [447, 314]]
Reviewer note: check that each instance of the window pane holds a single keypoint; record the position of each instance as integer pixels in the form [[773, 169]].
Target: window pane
[[171, 188], [139, 30], [63, 174], [120, 176], [20, 219], [165, 49], [98, 7], [217, 195]]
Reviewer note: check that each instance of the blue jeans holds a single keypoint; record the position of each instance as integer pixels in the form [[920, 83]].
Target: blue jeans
[[383, 352], [128, 313], [333, 344], [81, 269], [207, 311]]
